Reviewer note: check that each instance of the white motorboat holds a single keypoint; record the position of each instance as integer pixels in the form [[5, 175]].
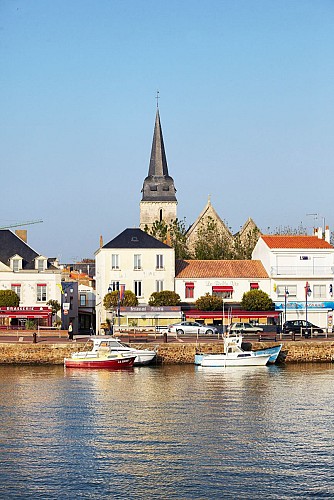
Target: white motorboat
[[112, 345], [237, 340], [233, 355]]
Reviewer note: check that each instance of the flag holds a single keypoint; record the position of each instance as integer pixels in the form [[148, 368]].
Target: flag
[[60, 287], [121, 292]]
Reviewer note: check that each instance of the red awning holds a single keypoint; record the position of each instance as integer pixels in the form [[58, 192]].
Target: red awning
[[190, 285], [254, 285], [222, 288]]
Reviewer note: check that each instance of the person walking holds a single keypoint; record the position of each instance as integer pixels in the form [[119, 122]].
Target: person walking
[[70, 331]]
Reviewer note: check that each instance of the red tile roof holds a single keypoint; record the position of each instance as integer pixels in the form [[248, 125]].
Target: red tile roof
[[279, 241], [220, 269]]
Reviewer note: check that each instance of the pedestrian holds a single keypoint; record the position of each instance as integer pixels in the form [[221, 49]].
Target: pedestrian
[[70, 331]]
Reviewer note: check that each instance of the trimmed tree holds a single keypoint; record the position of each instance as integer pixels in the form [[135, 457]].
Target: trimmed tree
[[110, 300], [209, 303], [256, 300], [164, 298], [8, 298]]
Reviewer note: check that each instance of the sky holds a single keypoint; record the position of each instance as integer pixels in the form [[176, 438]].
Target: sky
[[246, 106]]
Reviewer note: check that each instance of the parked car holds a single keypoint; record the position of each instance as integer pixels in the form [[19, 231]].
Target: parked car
[[191, 327], [245, 328], [300, 325]]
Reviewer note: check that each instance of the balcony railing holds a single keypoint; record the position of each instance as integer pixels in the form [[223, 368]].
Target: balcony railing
[[302, 271]]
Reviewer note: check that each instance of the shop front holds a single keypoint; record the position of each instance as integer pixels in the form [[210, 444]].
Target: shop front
[[21, 317]]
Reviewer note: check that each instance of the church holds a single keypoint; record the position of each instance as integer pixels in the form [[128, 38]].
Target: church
[[159, 202]]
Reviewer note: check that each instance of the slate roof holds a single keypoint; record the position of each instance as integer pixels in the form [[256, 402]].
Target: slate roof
[[158, 185], [219, 269], [11, 244], [135, 238], [279, 241]]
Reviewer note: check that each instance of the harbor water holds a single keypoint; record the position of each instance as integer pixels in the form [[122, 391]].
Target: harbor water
[[167, 432]]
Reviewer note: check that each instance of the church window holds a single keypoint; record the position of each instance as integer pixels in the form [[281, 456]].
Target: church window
[[165, 188], [153, 187]]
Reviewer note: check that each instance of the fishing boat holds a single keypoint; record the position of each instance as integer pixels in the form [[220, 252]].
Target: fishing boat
[[99, 360], [233, 355], [112, 349]]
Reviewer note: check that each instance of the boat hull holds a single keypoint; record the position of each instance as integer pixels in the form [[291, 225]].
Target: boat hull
[[273, 351], [111, 363], [223, 360]]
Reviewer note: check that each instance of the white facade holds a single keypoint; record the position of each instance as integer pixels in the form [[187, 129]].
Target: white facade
[[207, 285], [291, 269], [141, 270]]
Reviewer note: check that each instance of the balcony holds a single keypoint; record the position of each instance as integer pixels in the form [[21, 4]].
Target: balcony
[[303, 272]]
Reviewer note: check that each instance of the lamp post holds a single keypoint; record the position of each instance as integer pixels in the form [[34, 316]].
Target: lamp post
[[286, 294], [307, 294]]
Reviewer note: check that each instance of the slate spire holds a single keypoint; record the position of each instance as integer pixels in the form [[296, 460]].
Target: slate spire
[[158, 185]]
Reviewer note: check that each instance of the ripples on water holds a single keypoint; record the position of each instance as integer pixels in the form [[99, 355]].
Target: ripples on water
[[167, 432]]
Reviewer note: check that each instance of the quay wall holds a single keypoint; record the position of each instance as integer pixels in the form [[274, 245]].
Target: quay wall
[[170, 353]]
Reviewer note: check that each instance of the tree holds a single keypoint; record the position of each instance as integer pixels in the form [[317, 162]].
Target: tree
[[209, 303], [8, 298], [173, 234], [110, 300], [164, 298], [55, 306], [256, 300], [210, 243]]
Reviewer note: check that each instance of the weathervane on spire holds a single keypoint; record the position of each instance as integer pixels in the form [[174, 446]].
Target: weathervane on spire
[[157, 98]]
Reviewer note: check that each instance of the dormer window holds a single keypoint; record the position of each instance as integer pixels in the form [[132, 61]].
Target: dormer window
[[40, 263], [16, 263]]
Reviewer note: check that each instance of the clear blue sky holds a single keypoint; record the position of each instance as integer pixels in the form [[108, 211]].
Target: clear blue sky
[[247, 111]]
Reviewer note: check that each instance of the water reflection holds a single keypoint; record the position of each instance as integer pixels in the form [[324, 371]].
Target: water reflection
[[167, 432]]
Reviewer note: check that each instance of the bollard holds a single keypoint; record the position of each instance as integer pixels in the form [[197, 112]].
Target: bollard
[[34, 338], [165, 337]]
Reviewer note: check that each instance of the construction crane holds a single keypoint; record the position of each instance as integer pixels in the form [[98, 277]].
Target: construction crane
[[19, 224]]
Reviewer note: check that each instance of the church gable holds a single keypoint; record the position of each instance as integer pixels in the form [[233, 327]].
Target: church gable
[[249, 232], [207, 215]]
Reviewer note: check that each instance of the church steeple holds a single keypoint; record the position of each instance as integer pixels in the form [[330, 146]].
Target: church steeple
[[158, 192]]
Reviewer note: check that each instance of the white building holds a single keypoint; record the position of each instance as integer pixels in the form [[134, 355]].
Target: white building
[[32, 276], [132, 261], [296, 264], [228, 279]]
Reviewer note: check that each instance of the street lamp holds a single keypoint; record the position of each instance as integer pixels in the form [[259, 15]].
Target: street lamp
[[307, 294], [286, 294]]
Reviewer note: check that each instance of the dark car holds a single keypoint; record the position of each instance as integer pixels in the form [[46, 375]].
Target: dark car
[[301, 326]]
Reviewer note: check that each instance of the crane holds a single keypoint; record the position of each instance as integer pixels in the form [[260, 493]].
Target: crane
[[19, 224]]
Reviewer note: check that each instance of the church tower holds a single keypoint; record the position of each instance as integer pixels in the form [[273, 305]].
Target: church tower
[[158, 201]]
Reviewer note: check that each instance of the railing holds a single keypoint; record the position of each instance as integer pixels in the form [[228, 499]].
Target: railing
[[302, 271]]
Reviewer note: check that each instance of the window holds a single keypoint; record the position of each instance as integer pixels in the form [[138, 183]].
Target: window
[[16, 265], [113, 286], [291, 290], [189, 292], [159, 286], [319, 291], [114, 261], [40, 265], [83, 299], [137, 261], [138, 288], [41, 293], [16, 289], [160, 261], [224, 292]]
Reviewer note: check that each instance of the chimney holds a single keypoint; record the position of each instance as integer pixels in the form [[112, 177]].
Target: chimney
[[320, 233], [315, 231], [101, 241], [327, 235], [22, 234]]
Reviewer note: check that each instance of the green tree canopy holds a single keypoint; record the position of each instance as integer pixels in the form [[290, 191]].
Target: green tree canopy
[[164, 298], [173, 234], [54, 304], [210, 244], [256, 300], [209, 303], [8, 298], [110, 300]]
